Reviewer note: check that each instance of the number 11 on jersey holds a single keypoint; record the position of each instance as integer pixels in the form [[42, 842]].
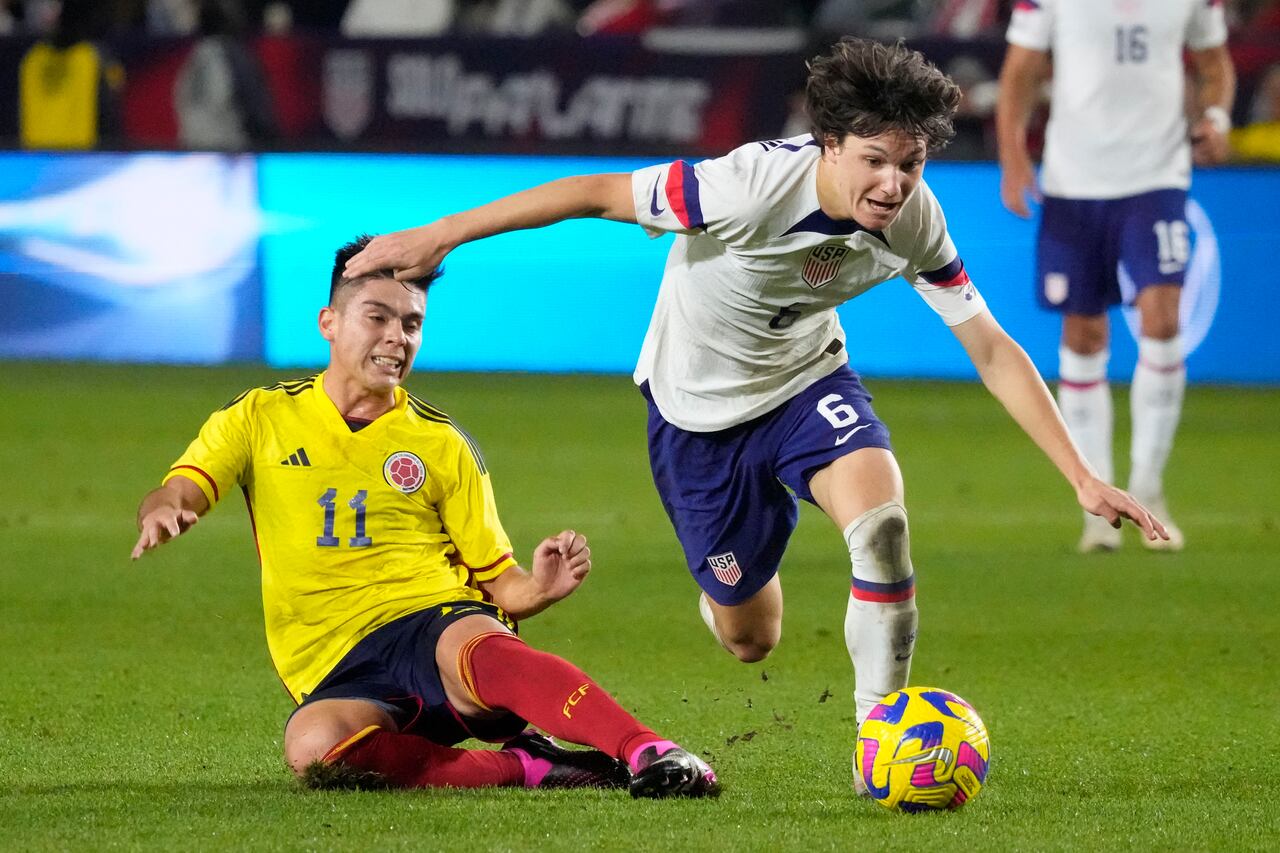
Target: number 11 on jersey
[[327, 539]]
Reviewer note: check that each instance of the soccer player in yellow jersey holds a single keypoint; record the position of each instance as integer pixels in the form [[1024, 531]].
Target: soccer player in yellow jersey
[[389, 588]]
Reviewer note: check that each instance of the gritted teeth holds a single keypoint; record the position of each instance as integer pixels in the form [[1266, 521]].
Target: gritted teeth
[[387, 361]]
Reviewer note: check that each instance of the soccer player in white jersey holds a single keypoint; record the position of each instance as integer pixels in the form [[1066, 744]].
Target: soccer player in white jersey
[[744, 366], [1117, 165]]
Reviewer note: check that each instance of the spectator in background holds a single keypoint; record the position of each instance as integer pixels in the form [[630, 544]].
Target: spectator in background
[[1260, 139], [68, 86], [735, 13], [517, 18], [221, 95], [172, 17], [879, 19], [398, 18], [617, 17], [636, 16], [966, 19], [39, 17], [890, 19], [280, 16]]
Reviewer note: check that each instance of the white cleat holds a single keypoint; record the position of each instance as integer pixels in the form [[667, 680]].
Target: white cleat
[[859, 786], [1176, 540], [1098, 536]]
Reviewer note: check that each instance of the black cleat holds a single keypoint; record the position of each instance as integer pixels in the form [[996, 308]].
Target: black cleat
[[675, 773], [571, 768]]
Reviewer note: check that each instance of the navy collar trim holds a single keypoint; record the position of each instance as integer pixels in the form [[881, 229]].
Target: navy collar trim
[[819, 223]]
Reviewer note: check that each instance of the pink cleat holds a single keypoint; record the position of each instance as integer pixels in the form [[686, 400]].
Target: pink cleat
[[549, 765], [663, 769]]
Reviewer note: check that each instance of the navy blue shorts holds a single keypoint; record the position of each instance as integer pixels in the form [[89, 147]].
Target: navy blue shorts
[[1082, 242], [726, 492], [395, 667]]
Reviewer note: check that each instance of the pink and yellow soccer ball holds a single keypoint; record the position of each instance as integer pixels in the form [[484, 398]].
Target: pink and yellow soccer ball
[[922, 749]]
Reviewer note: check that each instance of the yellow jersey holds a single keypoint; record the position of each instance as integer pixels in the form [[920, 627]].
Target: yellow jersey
[[59, 92], [354, 529]]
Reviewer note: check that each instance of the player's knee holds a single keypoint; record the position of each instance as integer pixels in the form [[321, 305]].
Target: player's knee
[[303, 750], [1160, 325], [1158, 307], [317, 728], [749, 637], [1086, 335], [754, 645], [879, 545]]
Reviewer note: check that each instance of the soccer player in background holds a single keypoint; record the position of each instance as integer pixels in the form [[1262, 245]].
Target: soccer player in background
[[390, 591], [744, 365], [1117, 165]]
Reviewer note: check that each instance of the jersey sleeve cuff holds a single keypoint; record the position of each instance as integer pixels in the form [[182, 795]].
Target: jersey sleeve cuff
[[972, 309], [642, 180], [199, 476], [491, 571]]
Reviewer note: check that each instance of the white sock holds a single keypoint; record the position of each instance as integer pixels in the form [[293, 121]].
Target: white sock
[[1159, 384], [1085, 399], [880, 635], [708, 618]]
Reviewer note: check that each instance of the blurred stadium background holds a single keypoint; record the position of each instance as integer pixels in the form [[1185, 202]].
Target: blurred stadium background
[[176, 177]]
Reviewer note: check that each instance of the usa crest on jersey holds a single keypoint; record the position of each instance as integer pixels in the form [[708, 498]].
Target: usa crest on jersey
[[725, 568], [822, 264]]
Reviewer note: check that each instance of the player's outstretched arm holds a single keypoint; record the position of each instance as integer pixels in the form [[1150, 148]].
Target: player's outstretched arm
[[560, 565], [1013, 380], [418, 251], [1023, 73], [167, 512]]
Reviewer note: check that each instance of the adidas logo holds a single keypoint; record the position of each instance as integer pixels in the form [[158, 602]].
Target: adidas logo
[[298, 457]]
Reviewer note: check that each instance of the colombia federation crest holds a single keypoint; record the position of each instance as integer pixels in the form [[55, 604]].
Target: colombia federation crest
[[404, 471]]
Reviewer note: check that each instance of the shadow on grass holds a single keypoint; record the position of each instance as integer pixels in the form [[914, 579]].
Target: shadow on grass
[[259, 790]]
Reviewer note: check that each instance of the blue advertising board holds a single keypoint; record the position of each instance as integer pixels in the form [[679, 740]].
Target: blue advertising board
[[576, 296], [129, 257], [203, 258]]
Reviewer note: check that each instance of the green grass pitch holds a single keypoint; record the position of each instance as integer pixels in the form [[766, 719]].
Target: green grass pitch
[[1132, 698]]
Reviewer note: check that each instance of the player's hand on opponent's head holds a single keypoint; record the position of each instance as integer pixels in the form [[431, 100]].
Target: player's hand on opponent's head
[[561, 563], [160, 525], [1115, 505], [411, 254]]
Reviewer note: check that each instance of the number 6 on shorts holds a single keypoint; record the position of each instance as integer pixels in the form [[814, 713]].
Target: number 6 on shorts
[[837, 413]]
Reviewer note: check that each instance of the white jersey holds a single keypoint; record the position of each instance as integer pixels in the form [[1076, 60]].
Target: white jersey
[[745, 317], [1116, 122]]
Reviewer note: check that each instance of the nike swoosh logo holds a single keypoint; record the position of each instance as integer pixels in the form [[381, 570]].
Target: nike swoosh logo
[[848, 435], [653, 202]]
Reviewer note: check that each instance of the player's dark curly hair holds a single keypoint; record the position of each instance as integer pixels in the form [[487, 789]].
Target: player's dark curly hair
[[337, 281], [867, 88]]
